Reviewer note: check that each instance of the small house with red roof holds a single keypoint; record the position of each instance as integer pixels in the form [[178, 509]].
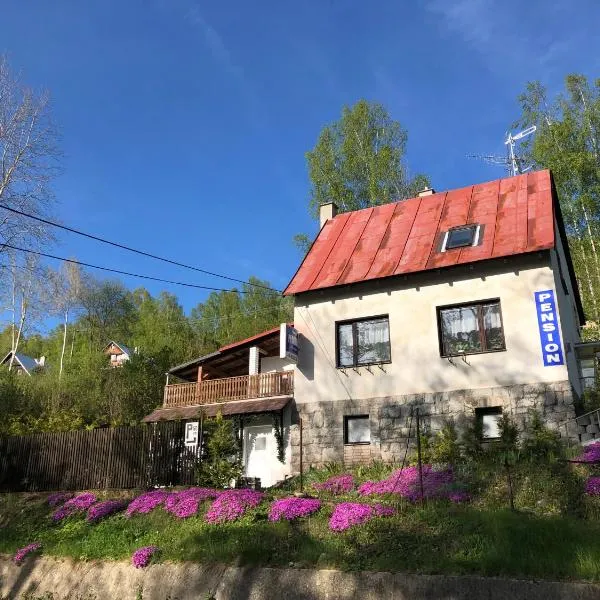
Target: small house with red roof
[[461, 303]]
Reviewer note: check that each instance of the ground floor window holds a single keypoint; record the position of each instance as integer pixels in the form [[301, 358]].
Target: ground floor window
[[489, 418], [357, 429]]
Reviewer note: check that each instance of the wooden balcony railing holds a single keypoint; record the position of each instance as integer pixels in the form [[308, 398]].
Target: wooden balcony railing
[[245, 387]]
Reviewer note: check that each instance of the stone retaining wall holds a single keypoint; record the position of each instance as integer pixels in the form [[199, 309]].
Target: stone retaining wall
[[390, 419], [63, 579]]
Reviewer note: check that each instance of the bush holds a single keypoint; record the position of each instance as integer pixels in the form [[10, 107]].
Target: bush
[[541, 444], [444, 447], [471, 440], [222, 462]]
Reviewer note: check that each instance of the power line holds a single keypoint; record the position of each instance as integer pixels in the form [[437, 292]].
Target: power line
[[130, 249], [119, 272]]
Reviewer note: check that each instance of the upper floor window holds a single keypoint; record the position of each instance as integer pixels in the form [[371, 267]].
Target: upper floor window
[[471, 328], [363, 342], [460, 237]]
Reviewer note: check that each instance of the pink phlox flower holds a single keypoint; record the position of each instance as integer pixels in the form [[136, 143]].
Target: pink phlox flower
[[20, 554], [77, 504], [338, 484], [185, 503], [591, 453], [592, 486], [58, 498], [293, 508], [348, 514], [232, 504], [141, 557], [104, 509], [147, 502]]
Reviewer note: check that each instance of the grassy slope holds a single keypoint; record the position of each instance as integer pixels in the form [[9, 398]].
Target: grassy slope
[[440, 538]]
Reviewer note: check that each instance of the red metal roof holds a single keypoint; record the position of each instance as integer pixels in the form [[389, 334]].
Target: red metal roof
[[516, 215]]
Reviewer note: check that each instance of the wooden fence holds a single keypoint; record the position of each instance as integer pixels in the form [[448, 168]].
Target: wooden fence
[[120, 457]]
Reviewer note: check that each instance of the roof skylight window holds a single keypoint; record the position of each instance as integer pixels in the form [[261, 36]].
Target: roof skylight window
[[461, 237]]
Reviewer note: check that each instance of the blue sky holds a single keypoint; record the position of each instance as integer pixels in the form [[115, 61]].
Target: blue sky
[[185, 122]]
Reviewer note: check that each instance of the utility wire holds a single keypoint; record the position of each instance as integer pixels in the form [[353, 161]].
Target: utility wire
[[130, 249], [83, 264]]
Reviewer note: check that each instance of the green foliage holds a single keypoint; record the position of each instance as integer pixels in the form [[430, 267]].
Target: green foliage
[[567, 141], [358, 160], [222, 463], [508, 444], [471, 440], [540, 444], [444, 447]]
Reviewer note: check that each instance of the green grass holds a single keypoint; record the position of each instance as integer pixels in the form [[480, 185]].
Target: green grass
[[439, 538]]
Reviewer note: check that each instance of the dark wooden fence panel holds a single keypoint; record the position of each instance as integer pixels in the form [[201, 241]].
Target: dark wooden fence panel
[[117, 458]]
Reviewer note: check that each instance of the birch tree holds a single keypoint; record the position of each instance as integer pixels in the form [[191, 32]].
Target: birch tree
[[29, 159], [567, 141], [65, 288]]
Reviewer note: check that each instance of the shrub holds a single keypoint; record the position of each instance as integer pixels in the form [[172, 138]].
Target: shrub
[[540, 442], [104, 509], [444, 447], [222, 463], [77, 504], [471, 440]]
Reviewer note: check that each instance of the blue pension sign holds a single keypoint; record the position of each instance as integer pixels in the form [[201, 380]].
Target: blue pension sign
[[288, 342], [552, 352]]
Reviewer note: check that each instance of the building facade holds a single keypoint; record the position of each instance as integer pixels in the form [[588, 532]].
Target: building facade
[[462, 303]]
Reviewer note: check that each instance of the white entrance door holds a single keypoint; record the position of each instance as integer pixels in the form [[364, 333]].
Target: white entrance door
[[259, 453]]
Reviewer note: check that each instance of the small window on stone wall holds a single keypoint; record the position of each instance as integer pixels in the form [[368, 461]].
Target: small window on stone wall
[[489, 418], [357, 429]]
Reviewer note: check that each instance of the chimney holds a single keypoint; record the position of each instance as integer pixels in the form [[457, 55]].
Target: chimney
[[326, 212], [426, 192]]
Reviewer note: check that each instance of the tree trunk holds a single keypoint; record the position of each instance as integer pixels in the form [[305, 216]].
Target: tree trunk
[[62, 352]]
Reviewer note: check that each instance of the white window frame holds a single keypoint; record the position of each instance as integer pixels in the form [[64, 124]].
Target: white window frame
[[475, 237]]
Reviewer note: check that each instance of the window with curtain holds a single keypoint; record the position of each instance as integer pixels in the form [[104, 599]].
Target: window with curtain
[[363, 342], [470, 329]]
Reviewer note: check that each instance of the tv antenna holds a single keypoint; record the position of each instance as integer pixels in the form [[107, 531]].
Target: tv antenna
[[511, 162]]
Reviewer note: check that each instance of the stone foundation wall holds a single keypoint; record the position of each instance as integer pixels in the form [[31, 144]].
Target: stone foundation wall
[[390, 419]]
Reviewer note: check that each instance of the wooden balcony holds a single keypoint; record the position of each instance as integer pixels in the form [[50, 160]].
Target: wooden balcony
[[245, 387]]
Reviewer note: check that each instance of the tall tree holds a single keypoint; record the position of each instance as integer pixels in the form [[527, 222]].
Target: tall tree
[[65, 290], [567, 141], [29, 158], [358, 161]]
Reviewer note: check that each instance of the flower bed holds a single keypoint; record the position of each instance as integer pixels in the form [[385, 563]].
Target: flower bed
[[347, 514], [98, 511], [293, 508], [405, 482], [184, 504], [338, 484], [146, 502], [142, 556], [77, 504], [590, 454], [232, 504], [22, 553]]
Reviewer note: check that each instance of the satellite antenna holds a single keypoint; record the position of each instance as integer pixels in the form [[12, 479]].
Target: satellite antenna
[[511, 162]]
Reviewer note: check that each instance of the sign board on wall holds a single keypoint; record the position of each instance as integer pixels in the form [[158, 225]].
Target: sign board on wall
[[552, 352], [288, 342], [191, 433]]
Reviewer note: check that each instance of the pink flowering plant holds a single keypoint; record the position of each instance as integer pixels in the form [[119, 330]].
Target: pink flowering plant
[[146, 502], [78, 504], [592, 486], [338, 484], [348, 514], [185, 503], [591, 454], [99, 511], [292, 508], [22, 553], [405, 483], [58, 498], [142, 556], [232, 504]]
